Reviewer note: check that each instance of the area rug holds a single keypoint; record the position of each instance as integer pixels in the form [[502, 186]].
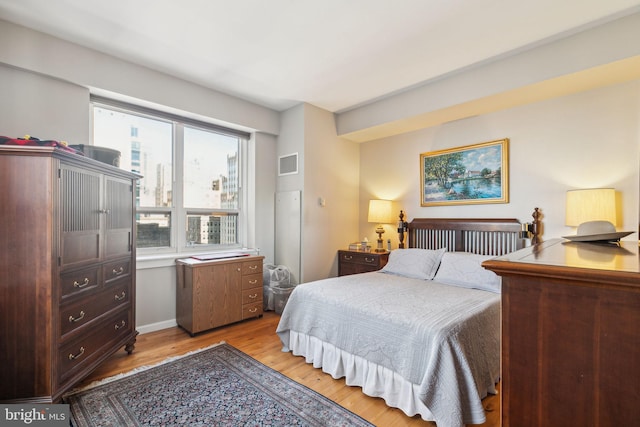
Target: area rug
[[217, 386]]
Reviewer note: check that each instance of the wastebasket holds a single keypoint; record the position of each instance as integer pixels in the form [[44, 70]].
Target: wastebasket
[[274, 276], [281, 295]]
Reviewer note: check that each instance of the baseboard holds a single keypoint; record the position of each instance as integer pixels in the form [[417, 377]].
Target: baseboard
[[145, 329]]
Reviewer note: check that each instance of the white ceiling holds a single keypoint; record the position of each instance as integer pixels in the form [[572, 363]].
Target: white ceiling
[[334, 54]]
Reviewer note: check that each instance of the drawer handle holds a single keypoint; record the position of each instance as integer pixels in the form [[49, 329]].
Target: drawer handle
[[253, 310], [369, 259], [76, 319], [118, 271], [75, 356], [81, 285], [253, 282], [120, 297], [253, 267], [122, 324], [253, 296], [348, 257]]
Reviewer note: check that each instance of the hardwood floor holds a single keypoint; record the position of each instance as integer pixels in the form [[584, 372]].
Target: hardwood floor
[[257, 338]]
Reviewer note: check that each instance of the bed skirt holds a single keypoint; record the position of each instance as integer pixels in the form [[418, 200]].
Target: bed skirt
[[375, 380]]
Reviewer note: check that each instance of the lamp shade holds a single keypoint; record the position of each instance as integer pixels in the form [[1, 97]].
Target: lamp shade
[[594, 204], [380, 211]]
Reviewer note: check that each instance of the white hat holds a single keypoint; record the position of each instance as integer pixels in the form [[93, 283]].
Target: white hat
[[597, 231]]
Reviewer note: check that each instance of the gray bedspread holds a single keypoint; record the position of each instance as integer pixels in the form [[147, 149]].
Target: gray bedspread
[[443, 338]]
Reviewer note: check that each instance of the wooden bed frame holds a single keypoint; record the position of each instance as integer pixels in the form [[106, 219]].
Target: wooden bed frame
[[485, 236], [492, 237]]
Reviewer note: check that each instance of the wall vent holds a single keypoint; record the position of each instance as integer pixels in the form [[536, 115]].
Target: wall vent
[[288, 164]]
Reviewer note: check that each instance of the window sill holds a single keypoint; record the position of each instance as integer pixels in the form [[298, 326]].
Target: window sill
[[144, 262]]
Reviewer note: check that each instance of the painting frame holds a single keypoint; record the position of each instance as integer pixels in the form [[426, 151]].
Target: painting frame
[[470, 174]]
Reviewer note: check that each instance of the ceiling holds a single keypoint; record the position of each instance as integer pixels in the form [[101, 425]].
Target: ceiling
[[334, 54]]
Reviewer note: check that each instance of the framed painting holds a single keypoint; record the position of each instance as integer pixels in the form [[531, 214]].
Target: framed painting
[[471, 174]]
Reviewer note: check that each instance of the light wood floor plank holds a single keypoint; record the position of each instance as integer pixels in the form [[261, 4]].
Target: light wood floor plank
[[258, 339]]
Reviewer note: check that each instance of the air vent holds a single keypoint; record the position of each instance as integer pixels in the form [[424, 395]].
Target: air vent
[[288, 165]]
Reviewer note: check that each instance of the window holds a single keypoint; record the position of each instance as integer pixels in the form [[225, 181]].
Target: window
[[189, 196], [210, 180]]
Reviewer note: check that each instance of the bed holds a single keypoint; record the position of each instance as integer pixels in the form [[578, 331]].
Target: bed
[[423, 333]]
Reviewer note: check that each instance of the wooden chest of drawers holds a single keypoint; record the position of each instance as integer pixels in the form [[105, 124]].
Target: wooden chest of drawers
[[67, 258], [214, 293], [353, 262], [570, 338]]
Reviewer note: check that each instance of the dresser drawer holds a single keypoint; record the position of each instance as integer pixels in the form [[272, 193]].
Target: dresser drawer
[[116, 270], [250, 296], [79, 281], [252, 310], [77, 314], [359, 258], [86, 349], [252, 281], [252, 267]]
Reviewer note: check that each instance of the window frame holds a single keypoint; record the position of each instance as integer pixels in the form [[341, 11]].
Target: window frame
[[177, 211]]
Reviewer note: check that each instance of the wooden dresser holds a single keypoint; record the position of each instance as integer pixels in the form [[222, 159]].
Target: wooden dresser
[[217, 292], [354, 262], [67, 269], [570, 334]]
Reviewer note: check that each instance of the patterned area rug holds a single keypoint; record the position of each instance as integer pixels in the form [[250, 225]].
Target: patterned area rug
[[217, 386]]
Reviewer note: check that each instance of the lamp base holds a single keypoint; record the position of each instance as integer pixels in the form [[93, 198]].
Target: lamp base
[[380, 248]]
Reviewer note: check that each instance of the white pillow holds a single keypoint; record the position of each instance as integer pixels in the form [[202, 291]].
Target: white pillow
[[465, 269], [414, 262]]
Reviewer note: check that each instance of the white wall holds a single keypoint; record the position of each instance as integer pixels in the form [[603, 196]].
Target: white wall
[[155, 298], [42, 107], [291, 140], [332, 169], [264, 185], [328, 169], [584, 140]]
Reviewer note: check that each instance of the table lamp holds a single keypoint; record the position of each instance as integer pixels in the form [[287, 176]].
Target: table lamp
[[593, 204], [380, 212]]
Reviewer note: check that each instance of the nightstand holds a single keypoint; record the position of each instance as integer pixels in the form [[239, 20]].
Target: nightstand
[[354, 262]]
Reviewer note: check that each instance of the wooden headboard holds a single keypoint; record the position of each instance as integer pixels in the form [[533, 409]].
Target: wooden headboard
[[480, 236]]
